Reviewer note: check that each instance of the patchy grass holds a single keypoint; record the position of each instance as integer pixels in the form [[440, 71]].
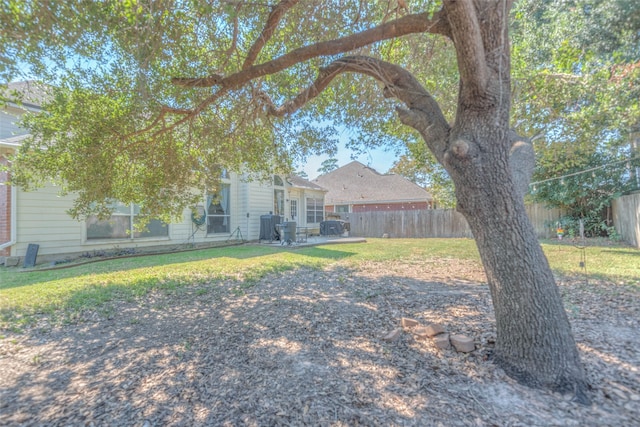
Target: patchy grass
[[69, 291], [25, 294], [619, 264]]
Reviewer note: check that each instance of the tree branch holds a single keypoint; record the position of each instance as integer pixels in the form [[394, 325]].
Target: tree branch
[[522, 161], [467, 37], [272, 22], [326, 75], [234, 39], [211, 80], [410, 24], [423, 113], [161, 115]]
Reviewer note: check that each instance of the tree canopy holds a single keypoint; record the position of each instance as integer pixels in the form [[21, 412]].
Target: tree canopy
[[115, 68], [576, 74], [328, 166], [577, 80], [130, 103]]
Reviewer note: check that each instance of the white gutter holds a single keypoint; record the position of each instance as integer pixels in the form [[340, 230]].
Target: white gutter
[[14, 142]]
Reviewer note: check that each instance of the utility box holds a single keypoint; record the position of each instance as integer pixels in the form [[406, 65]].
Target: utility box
[[268, 229], [31, 256]]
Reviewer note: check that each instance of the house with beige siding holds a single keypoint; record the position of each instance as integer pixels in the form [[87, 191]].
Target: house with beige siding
[[233, 211]]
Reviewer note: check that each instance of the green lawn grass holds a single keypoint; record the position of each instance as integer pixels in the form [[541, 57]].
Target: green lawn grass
[[71, 290], [610, 262]]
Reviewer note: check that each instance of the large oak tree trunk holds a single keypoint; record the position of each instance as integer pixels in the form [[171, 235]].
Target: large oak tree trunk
[[534, 340], [491, 168]]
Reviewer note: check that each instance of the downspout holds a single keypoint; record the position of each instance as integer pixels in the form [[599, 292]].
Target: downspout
[[13, 224], [12, 144]]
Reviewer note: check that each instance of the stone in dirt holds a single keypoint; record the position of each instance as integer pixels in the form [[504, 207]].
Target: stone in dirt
[[409, 323], [434, 329], [421, 333], [462, 343], [442, 341], [392, 336]]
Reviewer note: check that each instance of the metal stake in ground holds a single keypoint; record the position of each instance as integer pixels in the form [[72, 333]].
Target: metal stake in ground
[[583, 253]]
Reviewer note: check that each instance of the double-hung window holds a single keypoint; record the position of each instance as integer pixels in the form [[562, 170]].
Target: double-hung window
[[315, 210]]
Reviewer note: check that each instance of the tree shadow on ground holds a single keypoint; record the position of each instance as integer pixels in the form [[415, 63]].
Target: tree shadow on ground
[[622, 252], [298, 347]]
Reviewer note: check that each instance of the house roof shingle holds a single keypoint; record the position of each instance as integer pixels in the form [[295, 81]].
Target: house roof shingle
[[29, 94], [300, 182], [356, 183]]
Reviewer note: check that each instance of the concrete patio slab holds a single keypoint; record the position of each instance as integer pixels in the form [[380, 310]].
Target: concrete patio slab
[[316, 241]]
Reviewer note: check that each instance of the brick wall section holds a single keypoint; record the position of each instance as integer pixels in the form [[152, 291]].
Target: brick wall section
[[390, 207], [373, 207], [5, 209]]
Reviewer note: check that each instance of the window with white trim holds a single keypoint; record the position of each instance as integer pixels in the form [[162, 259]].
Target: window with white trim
[[278, 196], [315, 210], [122, 225], [219, 210]]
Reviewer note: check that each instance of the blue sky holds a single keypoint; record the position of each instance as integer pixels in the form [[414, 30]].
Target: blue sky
[[378, 159]]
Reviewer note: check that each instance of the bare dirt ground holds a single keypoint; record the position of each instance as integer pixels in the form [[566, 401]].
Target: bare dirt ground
[[305, 348]]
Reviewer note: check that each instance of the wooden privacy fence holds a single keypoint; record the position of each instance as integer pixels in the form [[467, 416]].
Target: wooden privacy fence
[[408, 223], [434, 223], [544, 219], [626, 218], [449, 223]]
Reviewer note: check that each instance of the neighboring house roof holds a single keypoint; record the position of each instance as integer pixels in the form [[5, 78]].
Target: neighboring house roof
[[300, 182], [27, 94], [356, 183], [16, 99]]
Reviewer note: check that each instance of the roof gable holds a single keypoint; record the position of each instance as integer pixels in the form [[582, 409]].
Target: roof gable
[[357, 183], [299, 182]]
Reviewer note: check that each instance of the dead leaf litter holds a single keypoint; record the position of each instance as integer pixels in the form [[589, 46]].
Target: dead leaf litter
[[308, 347]]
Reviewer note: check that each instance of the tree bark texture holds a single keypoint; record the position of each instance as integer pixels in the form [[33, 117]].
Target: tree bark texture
[[534, 340]]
